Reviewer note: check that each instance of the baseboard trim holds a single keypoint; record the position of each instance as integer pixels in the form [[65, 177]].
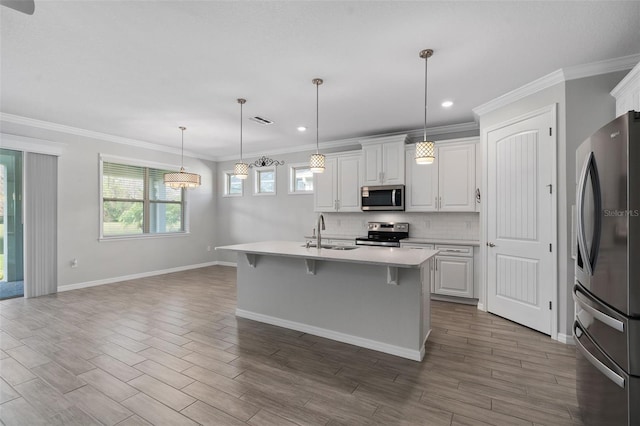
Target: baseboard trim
[[136, 276], [415, 355], [567, 339], [223, 263]]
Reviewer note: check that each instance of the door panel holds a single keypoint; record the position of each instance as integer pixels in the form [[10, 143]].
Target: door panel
[[520, 269]]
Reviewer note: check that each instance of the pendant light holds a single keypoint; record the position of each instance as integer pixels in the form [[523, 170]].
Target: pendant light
[[241, 169], [182, 179], [316, 161], [425, 150]]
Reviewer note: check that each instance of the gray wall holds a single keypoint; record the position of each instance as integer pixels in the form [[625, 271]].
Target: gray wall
[[251, 218], [589, 107], [583, 106], [79, 218]]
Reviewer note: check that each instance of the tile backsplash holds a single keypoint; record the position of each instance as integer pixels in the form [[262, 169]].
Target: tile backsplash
[[454, 226]]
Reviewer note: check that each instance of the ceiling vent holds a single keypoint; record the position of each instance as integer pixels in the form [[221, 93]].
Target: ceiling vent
[[261, 120]]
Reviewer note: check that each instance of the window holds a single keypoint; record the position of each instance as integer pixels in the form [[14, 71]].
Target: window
[[135, 201], [265, 181], [300, 179], [233, 186]]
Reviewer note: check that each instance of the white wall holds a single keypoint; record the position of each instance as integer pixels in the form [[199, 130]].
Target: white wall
[[79, 214]]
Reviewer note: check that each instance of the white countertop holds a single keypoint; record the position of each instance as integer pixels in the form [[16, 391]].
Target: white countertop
[[385, 256]]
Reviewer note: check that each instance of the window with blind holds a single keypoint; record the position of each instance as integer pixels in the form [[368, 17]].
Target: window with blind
[[135, 201]]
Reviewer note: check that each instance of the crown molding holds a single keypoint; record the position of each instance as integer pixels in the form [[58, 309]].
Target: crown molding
[[47, 125], [628, 81], [559, 76]]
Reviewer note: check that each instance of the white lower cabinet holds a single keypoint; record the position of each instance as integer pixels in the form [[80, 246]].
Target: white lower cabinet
[[454, 276], [452, 270]]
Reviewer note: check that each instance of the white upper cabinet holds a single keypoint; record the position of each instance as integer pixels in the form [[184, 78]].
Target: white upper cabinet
[[627, 92], [384, 160], [338, 188], [447, 185]]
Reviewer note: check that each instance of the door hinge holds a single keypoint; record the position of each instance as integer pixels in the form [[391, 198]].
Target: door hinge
[[550, 188], [550, 247], [550, 132], [549, 304]]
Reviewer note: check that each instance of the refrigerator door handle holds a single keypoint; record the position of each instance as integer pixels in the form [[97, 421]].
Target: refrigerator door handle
[[591, 169], [582, 300], [608, 373], [582, 240]]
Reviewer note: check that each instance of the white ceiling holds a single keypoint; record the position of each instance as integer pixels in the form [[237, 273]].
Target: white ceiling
[[140, 69]]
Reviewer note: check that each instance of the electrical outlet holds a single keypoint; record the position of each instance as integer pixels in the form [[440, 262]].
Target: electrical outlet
[[208, 248]]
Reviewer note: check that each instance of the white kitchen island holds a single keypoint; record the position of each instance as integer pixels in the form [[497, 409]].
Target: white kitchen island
[[373, 297]]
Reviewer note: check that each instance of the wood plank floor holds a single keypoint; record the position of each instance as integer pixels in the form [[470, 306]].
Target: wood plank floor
[[169, 350]]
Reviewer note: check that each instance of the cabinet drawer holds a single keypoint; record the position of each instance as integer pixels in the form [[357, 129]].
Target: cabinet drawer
[[416, 246], [451, 250]]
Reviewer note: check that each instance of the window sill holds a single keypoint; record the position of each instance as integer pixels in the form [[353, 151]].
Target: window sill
[[143, 236]]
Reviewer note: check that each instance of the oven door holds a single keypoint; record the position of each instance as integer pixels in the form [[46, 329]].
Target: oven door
[[607, 395]]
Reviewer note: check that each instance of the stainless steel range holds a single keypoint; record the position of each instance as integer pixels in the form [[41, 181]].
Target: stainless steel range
[[384, 234]]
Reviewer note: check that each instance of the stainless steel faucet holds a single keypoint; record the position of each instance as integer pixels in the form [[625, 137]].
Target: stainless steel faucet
[[320, 227]]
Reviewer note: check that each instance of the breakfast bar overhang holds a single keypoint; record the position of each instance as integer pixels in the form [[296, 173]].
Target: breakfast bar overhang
[[372, 297]]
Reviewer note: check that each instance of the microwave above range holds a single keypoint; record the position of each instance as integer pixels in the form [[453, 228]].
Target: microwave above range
[[382, 198]]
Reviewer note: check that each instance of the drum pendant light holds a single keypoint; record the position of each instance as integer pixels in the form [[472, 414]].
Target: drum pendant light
[[425, 150], [182, 179], [241, 169], [316, 161]]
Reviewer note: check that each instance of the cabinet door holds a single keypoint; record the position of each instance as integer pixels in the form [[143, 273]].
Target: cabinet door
[[454, 276], [324, 187], [372, 157], [456, 178], [393, 163], [421, 185], [348, 183]]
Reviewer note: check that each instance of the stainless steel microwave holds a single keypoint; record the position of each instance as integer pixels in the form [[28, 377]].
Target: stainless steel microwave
[[385, 197]]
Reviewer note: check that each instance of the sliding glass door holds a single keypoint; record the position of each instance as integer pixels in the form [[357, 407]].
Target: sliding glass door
[[11, 243]]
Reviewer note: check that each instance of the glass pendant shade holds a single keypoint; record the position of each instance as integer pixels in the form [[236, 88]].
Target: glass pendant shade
[[182, 179], [316, 163], [425, 152], [241, 170]]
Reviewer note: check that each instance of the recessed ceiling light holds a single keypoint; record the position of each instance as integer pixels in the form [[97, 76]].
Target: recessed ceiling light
[[447, 104], [302, 129]]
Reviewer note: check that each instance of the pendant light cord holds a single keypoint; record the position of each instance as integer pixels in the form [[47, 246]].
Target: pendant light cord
[[426, 59], [317, 117], [241, 103], [182, 129]]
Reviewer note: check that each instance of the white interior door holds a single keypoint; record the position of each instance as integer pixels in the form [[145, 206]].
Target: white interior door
[[521, 279]]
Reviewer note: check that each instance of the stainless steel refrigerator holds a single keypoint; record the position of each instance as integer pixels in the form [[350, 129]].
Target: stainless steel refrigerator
[[607, 274]]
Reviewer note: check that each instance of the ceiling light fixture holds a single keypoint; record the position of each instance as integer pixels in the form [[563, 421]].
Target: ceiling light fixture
[[316, 161], [182, 179], [302, 129], [447, 104], [241, 169], [425, 150]]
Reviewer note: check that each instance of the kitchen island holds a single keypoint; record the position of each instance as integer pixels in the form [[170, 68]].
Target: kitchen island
[[373, 297]]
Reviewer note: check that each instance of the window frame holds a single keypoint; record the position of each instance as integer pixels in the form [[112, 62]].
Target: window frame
[[292, 179], [147, 202], [227, 175], [256, 181]]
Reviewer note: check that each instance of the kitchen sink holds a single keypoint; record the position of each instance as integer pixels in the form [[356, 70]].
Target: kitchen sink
[[331, 247]]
